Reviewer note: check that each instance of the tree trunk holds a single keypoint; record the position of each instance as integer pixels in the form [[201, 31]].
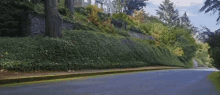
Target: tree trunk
[[70, 5], [53, 20]]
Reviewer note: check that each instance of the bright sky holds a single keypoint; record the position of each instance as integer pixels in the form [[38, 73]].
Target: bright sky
[[191, 7]]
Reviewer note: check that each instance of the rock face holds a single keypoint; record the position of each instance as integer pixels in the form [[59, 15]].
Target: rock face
[[140, 36], [132, 33], [36, 24]]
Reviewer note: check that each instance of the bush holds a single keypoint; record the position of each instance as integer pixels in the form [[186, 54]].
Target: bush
[[64, 11], [122, 17], [145, 27], [139, 16], [81, 10], [103, 16], [136, 29]]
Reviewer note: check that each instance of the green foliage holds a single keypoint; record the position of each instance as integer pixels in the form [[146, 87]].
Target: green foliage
[[214, 49], [189, 63], [96, 48], [214, 78], [136, 29], [177, 40], [214, 54], [76, 51], [81, 10], [202, 54], [63, 11], [123, 17], [10, 19], [103, 16], [122, 32], [168, 13], [39, 8], [145, 27]]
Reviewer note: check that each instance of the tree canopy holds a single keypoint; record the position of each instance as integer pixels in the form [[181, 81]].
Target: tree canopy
[[130, 5], [167, 13], [211, 5]]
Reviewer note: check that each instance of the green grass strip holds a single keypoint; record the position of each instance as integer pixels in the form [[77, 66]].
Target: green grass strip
[[20, 81], [215, 78]]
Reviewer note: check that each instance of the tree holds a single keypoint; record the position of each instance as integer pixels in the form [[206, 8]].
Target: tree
[[53, 20], [70, 5], [131, 5], [194, 29], [140, 16], [119, 5], [207, 36], [213, 39], [212, 5], [184, 20], [167, 13]]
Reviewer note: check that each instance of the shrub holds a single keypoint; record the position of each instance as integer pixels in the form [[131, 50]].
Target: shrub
[[202, 53], [103, 16], [93, 14], [76, 51], [81, 10], [104, 26], [145, 27], [139, 16], [64, 11], [123, 17], [178, 51]]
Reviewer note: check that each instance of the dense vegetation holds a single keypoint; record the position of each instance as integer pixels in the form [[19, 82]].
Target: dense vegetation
[[211, 37], [98, 44]]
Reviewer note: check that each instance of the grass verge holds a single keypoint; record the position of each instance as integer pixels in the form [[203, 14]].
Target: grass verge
[[30, 81], [215, 78]]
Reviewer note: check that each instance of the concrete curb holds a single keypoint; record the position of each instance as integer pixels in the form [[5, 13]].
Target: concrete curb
[[80, 74]]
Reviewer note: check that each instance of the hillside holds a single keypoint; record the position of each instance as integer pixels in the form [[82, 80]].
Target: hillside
[[98, 44]]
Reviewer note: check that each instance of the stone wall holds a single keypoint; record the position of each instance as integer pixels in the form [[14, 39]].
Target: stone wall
[[36, 24], [118, 23], [140, 36]]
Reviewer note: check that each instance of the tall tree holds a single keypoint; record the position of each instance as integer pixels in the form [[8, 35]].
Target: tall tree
[[184, 20], [70, 5], [212, 5], [213, 38], [53, 20], [131, 5], [194, 30], [206, 34], [167, 13]]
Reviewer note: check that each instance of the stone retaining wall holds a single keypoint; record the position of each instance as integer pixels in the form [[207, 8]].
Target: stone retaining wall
[[36, 26], [141, 36]]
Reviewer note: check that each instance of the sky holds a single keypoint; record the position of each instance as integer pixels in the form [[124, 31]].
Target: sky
[[191, 7]]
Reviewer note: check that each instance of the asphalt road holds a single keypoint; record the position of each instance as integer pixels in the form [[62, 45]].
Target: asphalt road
[[163, 82]]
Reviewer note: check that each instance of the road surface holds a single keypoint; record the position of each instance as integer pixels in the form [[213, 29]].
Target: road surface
[[162, 82]]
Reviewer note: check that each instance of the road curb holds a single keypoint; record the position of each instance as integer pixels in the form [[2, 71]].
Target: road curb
[[82, 74]]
